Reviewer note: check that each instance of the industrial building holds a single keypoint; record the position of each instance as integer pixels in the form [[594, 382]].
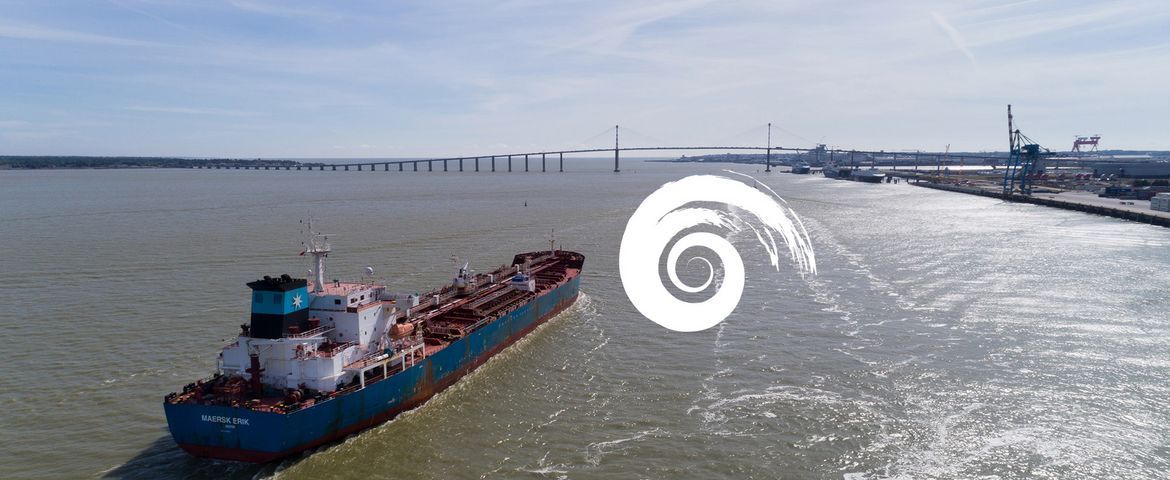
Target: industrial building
[[1133, 170], [1160, 202]]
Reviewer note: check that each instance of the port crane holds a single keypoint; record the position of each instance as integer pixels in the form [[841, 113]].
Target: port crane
[[1025, 161], [1086, 144]]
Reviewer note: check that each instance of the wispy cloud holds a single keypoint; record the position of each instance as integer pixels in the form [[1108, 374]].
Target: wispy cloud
[[6, 124], [286, 9], [273, 77], [953, 33], [613, 28], [41, 33], [191, 110]]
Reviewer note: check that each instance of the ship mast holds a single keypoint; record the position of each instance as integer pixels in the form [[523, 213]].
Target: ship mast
[[318, 247]]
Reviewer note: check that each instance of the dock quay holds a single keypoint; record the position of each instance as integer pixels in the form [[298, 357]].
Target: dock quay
[[1069, 201]]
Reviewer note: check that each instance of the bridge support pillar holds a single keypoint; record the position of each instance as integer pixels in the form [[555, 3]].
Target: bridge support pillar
[[347, 168], [430, 166], [298, 168], [477, 164], [415, 166], [525, 163], [400, 167], [493, 163], [542, 164], [359, 167], [444, 165], [615, 149], [385, 167], [562, 155], [509, 164], [460, 164]]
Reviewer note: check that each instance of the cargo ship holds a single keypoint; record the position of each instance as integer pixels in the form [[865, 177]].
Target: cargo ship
[[319, 360]]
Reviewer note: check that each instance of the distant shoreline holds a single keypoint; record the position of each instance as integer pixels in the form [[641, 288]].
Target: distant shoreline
[[74, 162], [15, 162]]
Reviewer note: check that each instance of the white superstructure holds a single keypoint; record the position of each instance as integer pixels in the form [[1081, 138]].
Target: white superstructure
[[321, 336]]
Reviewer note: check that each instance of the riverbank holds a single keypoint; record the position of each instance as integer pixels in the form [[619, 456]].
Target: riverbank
[[1134, 210], [19, 162]]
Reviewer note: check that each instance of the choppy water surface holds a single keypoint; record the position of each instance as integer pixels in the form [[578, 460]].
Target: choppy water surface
[[944, 336]]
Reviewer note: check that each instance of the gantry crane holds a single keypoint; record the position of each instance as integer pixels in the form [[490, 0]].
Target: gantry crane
[[1025, 161]]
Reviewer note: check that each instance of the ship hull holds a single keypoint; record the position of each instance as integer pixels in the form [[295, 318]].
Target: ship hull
[[839, 173], [242, 434]]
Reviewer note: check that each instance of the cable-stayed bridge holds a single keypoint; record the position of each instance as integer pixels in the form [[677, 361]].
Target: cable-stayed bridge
[[526, 161]]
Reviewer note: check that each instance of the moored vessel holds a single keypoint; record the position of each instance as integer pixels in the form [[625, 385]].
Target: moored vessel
[[871, 175], [836, 171]]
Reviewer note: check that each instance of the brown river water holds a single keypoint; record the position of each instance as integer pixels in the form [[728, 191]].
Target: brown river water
[[944, 336]]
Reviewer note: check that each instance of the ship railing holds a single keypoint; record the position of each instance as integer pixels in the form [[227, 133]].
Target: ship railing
[[453, 331], [375, 360], [335, 350], [310, 333], [370, 359]]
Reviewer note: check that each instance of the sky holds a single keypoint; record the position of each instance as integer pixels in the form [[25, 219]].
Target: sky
[[287, 78]]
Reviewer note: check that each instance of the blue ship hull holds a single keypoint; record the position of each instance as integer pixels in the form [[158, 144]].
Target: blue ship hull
[[247, 435]]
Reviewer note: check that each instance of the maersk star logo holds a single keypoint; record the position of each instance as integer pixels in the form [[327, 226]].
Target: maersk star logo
[[297, 301]]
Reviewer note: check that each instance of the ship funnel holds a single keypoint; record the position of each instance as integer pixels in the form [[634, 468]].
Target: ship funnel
[[278, 304]]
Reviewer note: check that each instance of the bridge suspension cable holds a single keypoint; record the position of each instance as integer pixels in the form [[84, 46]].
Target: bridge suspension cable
[[596, 140]]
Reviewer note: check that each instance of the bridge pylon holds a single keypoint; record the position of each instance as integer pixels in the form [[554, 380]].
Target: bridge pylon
[[616, 149], [768, 155]]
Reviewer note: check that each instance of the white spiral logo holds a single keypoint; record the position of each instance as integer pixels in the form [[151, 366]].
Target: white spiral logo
[[664, 215]]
